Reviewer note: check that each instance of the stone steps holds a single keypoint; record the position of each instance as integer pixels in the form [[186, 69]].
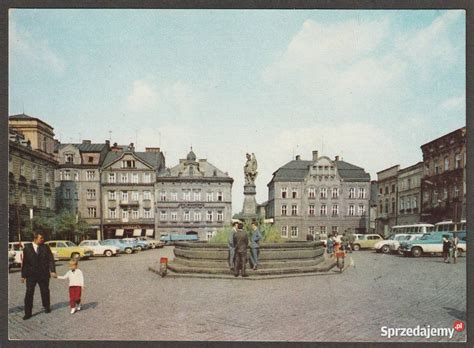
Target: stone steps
[[263, 264], [269, 254]]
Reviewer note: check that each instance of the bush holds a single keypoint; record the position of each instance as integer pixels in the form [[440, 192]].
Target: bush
[[221, 236], [270, 234]]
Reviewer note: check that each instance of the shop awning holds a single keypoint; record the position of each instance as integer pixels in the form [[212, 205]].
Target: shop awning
[[137, 232], [119, 232], [149, 232]]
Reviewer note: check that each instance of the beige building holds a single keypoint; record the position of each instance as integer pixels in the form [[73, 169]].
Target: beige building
[[193, 197], [128, 184], [409, 194], [31, 168], [318, 197], [387, 214]]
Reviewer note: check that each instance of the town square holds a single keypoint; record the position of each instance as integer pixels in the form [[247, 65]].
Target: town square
[[209, 175]]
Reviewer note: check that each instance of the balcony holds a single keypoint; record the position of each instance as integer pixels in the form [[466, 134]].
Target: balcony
[[129, 203]]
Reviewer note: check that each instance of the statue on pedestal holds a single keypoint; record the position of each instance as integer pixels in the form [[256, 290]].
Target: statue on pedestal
[[250, 169]]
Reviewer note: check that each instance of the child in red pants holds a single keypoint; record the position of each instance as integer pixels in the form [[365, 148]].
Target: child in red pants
[[76, 283]]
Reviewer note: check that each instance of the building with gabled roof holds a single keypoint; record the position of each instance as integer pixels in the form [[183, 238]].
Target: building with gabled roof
[[318, 197]]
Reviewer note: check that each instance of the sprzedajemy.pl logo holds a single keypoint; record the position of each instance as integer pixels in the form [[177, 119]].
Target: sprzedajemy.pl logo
[[422, 331]]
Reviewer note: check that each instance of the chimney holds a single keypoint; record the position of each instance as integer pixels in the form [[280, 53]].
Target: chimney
[[86, 142], [337, 158], [297, 157], [107, 142], [131, 147], [315, 155], [152, 149]]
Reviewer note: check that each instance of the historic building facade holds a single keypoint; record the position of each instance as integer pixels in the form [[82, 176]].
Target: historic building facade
[[31, 166], [319, 197], [193, 197], [128, 181], [443, 187], [78, 184], [409, 194], [387, 212]]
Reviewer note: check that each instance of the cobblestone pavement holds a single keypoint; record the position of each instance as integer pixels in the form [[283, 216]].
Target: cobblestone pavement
[[123, 300]]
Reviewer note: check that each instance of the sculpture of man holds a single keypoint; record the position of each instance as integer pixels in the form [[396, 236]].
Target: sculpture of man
[[250, 169]]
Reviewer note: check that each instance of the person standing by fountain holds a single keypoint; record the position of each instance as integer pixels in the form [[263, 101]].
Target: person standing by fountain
[[241, 243], [231, 245], [255, 246]]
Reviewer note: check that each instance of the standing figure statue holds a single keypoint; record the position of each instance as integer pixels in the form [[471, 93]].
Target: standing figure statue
[[250, 169]]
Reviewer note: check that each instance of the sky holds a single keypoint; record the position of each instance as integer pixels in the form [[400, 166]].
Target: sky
[[368, 86]]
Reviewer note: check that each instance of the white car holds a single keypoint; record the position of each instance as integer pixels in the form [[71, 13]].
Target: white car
[[395, 246], [154, 243], [99, 249], [384, 246], [17, 247]]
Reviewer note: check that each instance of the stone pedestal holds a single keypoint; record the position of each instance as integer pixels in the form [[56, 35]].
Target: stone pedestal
[[249, 210]]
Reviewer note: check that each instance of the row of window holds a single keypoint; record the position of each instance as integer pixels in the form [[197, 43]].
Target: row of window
[[444, 194], [146, 213], [123, 178], [35, 171], [135, 195], [323, 210], [195, 195], [69, 158], [408, 203], [311, 230], [324, 191], [197, 217], [66, 175], [438, 168], [34, 198]]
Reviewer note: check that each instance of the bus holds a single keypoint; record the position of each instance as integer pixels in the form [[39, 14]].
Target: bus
[[412, 229], [449, 226]]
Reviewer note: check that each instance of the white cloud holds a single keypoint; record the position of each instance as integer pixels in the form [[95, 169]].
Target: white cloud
[[28, 50]]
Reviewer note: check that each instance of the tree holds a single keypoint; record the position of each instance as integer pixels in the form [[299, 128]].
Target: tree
[[70, 226]]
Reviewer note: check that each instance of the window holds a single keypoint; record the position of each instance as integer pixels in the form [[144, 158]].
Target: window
[[351, 210], [456, 191], [361, 210], [47, 177], [147, 178], [35, 199], [437, 169], [311, 230], [90, 175], [147, 213], [386, 206], [91, 212], [361, 194], [90, 193], [322, 229], [284, 192], [209, 215], [294, 231], [124, 196], [197, 216], [112, 178], [415, 203], [135, 196], [323, 210], [134, 178], [174, 216], [23, 198], [220, 216], [386, 190], [186, 215], [112, 213], [22, 169], [163, 215], [294, 209], [209, 197], [335, 192], [381, 190], [197, 196], [335, 210], [209, 235], [402, 204], [311, 192], [186, 195], [33, 173], [284, 231], [283, 209], [67, 175], [446, 164], [311, 209], [76, 176], [47, 201], [435, 196], [90, 159], [67, 194], [146, 195], [69, 158], [323, 192], [112, 196], [393, 188], [174, 196], [458, 159], [124, 178], [394, 206], [124, 214], [352, 192], [445, 195], [408, 203], [220, 197], [409, 183], [294, 194], [162, 196], [335, 229], [128, 164]]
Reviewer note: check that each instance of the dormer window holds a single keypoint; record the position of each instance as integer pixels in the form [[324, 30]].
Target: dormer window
[[69, 158], [128, 164]]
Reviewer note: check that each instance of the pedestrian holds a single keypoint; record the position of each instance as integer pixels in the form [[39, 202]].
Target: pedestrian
[[241, 243], [351, 239], [454, 247], [76, 285], [345, 241], [255, 246], [446, 247], [230, 244], [37, 267], [329, 246]]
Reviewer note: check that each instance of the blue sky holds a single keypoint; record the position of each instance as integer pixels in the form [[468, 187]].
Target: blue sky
[[370, 86]]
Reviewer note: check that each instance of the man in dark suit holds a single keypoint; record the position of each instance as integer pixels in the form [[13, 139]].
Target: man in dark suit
[[36, 268], [241, 242]]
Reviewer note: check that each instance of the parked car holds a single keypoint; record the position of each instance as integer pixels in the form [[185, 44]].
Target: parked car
[[132, 243], [431, 243], [99, 249], [124, 246], [17, 247], [384, 246], [140, 244], [68, 250], [366, 241], [153, 243], [395, 247], [171, 238]]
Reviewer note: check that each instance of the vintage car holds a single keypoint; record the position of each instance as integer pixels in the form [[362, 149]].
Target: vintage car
[[17, 247], [68, 250], [395, 246], [99, 249], [384, 246], [366, 241], [124, 246], [154, 243], [431, 243], [139, 244]]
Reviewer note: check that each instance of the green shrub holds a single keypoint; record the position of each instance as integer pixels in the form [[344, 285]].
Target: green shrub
[[221, 236]]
